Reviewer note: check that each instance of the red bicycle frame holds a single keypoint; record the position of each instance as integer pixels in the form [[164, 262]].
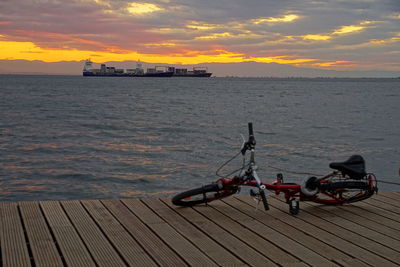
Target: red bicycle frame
[[290, 190]]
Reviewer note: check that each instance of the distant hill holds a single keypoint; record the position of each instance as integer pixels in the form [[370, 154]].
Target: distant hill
[[244, 69]]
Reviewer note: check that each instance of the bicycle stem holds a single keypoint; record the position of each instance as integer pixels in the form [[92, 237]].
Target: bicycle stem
[[252, 153], [253, 167], [258, 180]]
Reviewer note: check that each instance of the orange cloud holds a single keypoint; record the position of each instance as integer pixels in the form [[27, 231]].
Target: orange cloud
[[282, 60], [201, 26], [385, 41], [226, 35], [348, 29], [284, 18], [316, 37], [306, 37], [336, 63], [142, 8], [352, 28]]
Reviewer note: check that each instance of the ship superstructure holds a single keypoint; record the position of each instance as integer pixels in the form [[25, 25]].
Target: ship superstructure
[[157, 71], [196, 72], [104, 70]]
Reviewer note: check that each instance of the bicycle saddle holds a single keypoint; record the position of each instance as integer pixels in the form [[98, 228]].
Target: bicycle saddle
[[354, 167]]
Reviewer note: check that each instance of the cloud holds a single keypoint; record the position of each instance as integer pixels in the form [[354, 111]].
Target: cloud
[[336, 63], [316, 37], [352, 28], [317, 33], [142, 8], [284, 18]]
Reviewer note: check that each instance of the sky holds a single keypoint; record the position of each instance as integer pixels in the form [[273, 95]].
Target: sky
[[334, 34]]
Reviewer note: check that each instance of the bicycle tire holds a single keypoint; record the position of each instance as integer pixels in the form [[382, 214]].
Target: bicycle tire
[[344, 184], [348, 191], [200, 195]]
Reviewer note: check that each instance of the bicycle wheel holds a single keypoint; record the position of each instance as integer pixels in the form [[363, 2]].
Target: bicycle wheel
[[346, 191], [201, 195]]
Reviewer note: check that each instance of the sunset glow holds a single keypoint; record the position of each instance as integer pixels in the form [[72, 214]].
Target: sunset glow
[[197, 32], [142, 8], [316, 37], [285, 18]]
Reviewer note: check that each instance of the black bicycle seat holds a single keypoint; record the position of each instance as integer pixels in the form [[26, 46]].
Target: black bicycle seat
[[354, 167]]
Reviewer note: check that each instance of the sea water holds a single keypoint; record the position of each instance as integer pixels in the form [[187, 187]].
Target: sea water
[[70, 137]]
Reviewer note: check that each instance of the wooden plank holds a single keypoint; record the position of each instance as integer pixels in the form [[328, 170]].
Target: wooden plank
[[223, 237], [385, 199], [153, 245], [14, 250], [211, 248], [99, 247], [277, 220], [329, 214], [377, 214], [127, 246], [274, 245], [377, 252], [383, 205], [191, 254], [353, 213], [70, 243], [43, 246], [392, 195]]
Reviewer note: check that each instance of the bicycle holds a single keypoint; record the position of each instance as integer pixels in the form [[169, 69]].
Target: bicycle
[[348, 183]]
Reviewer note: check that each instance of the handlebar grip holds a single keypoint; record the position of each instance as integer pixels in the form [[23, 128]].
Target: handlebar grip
[[252, 140], [251, 133]]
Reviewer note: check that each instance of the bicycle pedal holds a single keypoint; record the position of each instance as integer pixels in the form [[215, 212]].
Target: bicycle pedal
[[257, 203], [256, 197]]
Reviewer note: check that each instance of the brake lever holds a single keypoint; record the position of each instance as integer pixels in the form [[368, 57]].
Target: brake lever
[[243, 142]]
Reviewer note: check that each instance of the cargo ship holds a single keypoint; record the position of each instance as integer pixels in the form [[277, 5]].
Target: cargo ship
[[157, 71]]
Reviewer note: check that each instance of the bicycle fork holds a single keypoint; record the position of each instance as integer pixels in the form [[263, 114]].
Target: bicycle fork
[[260, 195]]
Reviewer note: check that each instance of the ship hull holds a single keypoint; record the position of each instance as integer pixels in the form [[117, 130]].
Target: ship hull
[[206, 74], [157, 74]]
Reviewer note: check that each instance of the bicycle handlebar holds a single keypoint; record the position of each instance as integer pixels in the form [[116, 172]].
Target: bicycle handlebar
[[250, 144]]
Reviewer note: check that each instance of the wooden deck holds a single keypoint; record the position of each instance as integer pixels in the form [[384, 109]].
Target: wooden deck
[[151, 232]]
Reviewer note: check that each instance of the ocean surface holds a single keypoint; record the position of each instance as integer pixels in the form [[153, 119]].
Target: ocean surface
[[70, 137]]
